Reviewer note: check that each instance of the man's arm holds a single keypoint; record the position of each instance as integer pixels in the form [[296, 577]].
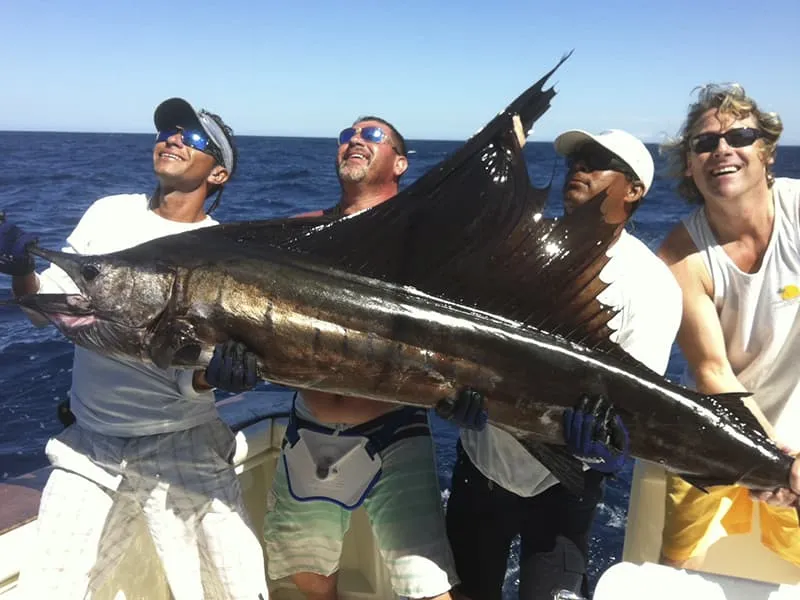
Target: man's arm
[[703, 344], [700, 334], [22, 285]]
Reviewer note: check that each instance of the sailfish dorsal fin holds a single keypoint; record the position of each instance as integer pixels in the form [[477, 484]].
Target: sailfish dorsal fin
[[471, 231]]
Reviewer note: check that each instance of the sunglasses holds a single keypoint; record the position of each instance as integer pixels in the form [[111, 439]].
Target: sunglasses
[[194, 139], [189, 137], [596, 159], [735, 138], [370, 133]]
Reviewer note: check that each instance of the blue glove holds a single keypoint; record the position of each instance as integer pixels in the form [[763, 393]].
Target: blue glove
[[467, 409], [233, 368], [594, 433], [14, 257]]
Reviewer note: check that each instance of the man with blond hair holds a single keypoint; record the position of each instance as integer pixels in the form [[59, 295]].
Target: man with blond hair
[[737, 260]]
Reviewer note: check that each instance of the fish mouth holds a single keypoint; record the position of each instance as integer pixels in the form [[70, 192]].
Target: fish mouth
[[76, 305], [68, 312], [75, 317]]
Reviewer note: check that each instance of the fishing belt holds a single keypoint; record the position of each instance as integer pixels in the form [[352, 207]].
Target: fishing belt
[[343, 465]]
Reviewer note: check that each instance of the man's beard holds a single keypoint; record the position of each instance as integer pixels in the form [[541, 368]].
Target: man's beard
[[352, 173]]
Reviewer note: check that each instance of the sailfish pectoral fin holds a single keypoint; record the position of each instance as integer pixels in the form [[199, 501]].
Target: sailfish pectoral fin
[[557, 459], [176, 344]]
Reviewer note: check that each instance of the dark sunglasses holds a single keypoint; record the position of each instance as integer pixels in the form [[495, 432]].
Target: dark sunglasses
[[735, 138], [596, 159], [371, 133]]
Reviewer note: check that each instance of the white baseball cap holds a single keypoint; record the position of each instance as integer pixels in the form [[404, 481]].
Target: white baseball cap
[[620, 143]]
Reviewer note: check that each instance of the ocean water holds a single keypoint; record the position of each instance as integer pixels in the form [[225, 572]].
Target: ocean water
[[47, 181]]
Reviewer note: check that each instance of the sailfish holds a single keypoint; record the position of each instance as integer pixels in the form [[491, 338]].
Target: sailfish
[[457, 281]]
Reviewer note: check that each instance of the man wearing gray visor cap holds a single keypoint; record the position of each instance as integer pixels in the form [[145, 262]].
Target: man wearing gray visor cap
[[144, 449], [201, 131]]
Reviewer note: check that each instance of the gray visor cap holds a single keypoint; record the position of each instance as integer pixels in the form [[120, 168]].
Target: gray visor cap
[[177, 112]]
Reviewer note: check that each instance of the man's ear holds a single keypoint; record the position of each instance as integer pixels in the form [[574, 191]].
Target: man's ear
[[767, 159], [635, 192], [218, 176], [400, 166]]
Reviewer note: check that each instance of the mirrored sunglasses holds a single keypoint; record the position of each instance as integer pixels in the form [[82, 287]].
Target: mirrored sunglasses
[[189, 137], [371, 134], [194, 139]]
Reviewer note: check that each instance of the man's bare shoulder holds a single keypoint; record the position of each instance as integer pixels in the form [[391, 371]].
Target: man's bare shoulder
[[681, 255], [678, 246]]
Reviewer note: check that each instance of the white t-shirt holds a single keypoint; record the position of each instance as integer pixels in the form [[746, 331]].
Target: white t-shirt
[[114, 396], [650, 305], [759, 314]]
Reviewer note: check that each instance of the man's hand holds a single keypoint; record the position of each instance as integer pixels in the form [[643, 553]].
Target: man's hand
[[233, 368], [784, 496], [519, 131], [467, 409], [14, 257], [594, 433], [777, 497]]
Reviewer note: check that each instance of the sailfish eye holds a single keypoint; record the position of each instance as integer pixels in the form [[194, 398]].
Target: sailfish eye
[[89, 272]]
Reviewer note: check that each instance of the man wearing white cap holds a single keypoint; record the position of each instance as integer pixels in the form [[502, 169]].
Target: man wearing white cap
[[147, 447], [499, 490]]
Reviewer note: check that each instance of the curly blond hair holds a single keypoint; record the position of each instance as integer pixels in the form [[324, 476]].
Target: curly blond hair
[[730, 100]]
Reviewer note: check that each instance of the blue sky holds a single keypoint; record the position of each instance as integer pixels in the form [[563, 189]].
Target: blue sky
[[438, 70]]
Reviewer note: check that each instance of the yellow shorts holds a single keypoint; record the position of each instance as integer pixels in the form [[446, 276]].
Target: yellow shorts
[[691, 514]]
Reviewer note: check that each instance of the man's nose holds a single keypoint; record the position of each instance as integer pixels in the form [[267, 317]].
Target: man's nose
[[176, 138], [720, 149], [580, 164]]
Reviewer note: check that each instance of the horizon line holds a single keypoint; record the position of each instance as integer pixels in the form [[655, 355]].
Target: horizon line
[[309, 137]]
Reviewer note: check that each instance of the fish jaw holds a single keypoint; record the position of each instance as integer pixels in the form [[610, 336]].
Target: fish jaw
[[131, 287], [72, 314], [69, 310], [75, 317]]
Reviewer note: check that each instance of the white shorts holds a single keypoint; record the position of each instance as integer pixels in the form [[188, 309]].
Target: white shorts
[[181, 486]]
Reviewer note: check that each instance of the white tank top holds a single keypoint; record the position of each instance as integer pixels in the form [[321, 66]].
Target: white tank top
[[759, 311]]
